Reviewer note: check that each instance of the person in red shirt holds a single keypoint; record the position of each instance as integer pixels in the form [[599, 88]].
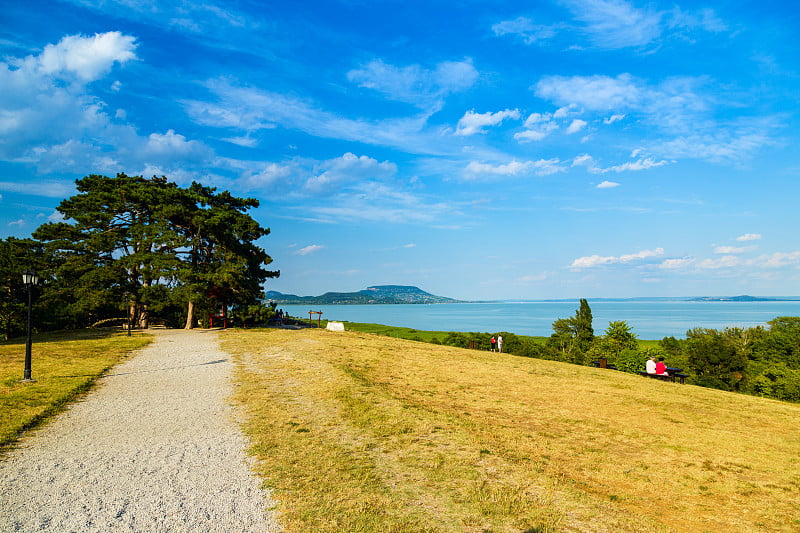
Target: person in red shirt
[[661, 367]]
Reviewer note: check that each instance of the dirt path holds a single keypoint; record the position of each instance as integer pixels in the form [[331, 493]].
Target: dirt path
[[155, 448]]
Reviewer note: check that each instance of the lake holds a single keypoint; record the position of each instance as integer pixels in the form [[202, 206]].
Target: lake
[[648, 319]]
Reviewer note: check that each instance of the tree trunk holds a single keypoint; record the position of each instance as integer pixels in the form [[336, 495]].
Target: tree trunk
[[132, 315], [190, 316], [144, 317]]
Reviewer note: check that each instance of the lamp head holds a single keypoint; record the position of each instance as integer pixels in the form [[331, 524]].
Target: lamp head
[[30, 278]]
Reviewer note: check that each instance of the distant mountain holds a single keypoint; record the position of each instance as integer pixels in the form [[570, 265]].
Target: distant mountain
[[380, 294], [742, 298]]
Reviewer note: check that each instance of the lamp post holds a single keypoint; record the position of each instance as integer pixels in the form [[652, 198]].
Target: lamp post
[[29, 279]]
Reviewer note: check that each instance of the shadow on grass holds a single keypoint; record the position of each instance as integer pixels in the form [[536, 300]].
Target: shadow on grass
[[69, 335]]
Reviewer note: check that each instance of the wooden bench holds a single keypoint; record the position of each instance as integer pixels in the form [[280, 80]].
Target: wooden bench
[[603, 363], [666, 377]]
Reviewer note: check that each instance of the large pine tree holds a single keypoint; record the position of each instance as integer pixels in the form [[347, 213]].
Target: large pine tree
[[144, 241]]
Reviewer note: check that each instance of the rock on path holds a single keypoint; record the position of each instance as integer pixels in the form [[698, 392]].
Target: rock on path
[[155, 448]]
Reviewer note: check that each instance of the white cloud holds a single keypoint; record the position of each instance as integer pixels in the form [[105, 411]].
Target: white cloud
[[685, 111], [615, 23], [642, 255], [241, 108], [414, 84], [270, 175], [380, 203], [729, 250], [705, 19], [250, 109], [540, 125], [335, 173], [613, 118], [584, 160], [55, 87], [576, 126], [778, 259], [509, 169], [591, 165], [676, 263], [596, 93], [639, 164], [533, 277], [726, 261], [593, 261], [749, 237], [537, 118], [472, 122], [607, 185], [309, 249], [51, 88], [47, 188], [535, 135], [87, 58], [524, 28], [542, 167], [597, 260], [173, 144], [245, 141]]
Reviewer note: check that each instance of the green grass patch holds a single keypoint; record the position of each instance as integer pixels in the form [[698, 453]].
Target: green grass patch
[[412, 334], [64, 365]]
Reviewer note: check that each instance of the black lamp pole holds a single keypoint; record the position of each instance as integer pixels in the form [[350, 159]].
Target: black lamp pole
[[29, 279]]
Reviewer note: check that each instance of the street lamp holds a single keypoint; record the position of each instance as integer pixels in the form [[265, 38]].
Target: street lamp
[[29, 279]]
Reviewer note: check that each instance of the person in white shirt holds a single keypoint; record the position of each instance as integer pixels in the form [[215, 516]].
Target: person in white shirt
[[650, 365], [499, 343]]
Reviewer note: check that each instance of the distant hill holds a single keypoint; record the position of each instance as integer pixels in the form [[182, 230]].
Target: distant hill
[[742, 298], [380, 294]]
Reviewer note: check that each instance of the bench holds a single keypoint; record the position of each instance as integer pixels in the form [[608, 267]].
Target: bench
[[666, 377], [603, 363]]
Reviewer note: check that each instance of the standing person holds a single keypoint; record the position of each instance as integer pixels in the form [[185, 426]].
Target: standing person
[[661, 367], [650, 365], [500, 343], [493, 342]]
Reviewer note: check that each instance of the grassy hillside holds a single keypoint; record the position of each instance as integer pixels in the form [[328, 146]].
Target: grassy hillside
[[357, 432]]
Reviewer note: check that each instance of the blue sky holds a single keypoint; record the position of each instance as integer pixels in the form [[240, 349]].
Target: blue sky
[[478, 150]]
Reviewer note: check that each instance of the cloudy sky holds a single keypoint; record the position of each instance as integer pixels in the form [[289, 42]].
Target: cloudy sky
[[478, 150]]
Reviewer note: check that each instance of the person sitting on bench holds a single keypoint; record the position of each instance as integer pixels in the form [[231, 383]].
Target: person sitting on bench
[[650, 365], [661, 367]]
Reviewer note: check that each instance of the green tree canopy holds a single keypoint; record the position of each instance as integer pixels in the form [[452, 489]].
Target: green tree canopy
[[16, 256], [715, 359], [144, 241], [572, 337]]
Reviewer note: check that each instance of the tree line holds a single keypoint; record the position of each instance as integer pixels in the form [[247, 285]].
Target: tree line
[[139, 249], [763, 361]]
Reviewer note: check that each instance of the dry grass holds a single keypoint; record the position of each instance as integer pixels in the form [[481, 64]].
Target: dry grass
[[64, 364], [356, 432]]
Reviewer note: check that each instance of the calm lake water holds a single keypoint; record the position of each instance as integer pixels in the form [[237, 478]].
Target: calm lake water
[[649, 320]]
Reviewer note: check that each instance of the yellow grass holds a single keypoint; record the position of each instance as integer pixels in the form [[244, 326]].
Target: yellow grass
[[64, 364], [356, 432]]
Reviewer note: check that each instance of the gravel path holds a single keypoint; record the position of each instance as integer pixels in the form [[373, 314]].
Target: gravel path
[[155, 448]]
